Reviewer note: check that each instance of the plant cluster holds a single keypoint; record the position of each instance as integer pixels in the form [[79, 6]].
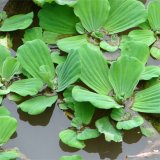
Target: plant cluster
[[80, 32]]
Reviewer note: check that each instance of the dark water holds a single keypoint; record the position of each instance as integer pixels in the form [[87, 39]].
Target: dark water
[[37, 136]]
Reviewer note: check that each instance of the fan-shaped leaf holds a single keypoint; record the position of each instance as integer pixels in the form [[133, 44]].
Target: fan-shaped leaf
[[148, 100], [124, 14], [111, 134], [69, 137], [37, 104], [92, 13], [58, 19], [123, 82], [34, 57], [26, 87], [8, 126], [17, 22]]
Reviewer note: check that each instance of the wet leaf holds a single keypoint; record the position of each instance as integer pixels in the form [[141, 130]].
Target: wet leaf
[[37, 105], [26, 87], [17, 22], [111, 134], [74, 157], [69, 137], [92, 13]]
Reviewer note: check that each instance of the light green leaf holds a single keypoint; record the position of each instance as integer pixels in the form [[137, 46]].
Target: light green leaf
[[42, 2], [148, 100], [88, 133], [154, 15], [69, 71], [134, 122], [97, 100], [67, 44], [33, 33], [94, 69], [119, 114], [4, 91], [16, 22], [74, 157], [33, 55], [124, 14], [111, 134], [51, 37], [26, 87], [155, 50], [66, 2], [79, 28], [137, 50], [10, 154], [14, 97], [108, 47], [37, 104], [150, 72], [148, 131], [4, 111], [8, 126], [10, 67], [56, 58], [84, 111], [121, 78], [69, 137], [58, 19], [92, 13]]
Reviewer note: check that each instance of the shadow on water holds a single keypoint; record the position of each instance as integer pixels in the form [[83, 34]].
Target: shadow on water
[[37, 136]]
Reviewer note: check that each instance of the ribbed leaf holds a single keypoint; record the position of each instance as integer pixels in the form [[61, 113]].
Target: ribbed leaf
[[74, 157], [37, 104], [150, 72], [92, 13], [69, 137], [26, 87], [10, 67], [154, 15], [148, 100], [69, 71], [119, 114], [67, 44], [124, 14], [17, 22], [34, 57], [123, 82], [51, 37], [58, 19], [88, 133], [136, 49], [97, 100], [94, 69], [8, 126], [111, 134]]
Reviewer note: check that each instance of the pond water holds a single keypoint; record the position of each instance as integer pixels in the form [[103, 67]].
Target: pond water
[[37, 136]]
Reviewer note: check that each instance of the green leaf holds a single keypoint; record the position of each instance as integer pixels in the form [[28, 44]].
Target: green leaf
[[108, 47], [84, 111], [134, 122], [33, 33], [4, 91], [37, 104], [137, 50], [10, 67], [92, 13], [155, 50], [111, 134], [74, 157], [123, 82], [42, 2], [17, 22], [148, 131], [14, 97], [97, 100], [34, 56], [58, 19], [4, 53], [143, 36], [94, 69], [69, 137], [148, 100], [118, 114], [51, 37], [66, 2], [26, 87], [8, 126], [4, 111], [56, 58], [124, 14], [69, 71], [79, 28], [10, 154], [150, 72], [154, 15], [67, 44], [88, 133]]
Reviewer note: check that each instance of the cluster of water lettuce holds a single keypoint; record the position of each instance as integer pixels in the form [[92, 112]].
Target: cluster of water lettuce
[[79, 32]]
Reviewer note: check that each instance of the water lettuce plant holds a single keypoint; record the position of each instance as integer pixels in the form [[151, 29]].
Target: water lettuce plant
[[63, 61]]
